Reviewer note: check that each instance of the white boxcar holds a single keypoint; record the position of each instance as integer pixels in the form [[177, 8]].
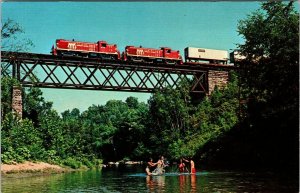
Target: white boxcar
[[204, 54]]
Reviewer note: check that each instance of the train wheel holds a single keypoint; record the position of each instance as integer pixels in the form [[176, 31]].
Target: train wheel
[[129, 60], [85, 55], [170, 62], [149, 61], [100, 57]]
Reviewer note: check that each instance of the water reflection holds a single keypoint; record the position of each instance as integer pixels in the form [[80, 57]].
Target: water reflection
[[155, 183], [193, 183], [187, 183], [182, 183], [133, 179]]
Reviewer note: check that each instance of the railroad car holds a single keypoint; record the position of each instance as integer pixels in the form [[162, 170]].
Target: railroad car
[[150, 55], [195, 55], [100, 49]]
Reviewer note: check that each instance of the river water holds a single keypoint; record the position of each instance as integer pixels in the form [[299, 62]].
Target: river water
[[132, 179]]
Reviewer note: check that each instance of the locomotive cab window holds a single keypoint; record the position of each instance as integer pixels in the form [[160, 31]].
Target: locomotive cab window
[[168, 51], [103, 45]]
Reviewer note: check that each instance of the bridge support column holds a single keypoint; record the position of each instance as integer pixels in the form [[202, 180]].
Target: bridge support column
[[17, 106], [217, 78]]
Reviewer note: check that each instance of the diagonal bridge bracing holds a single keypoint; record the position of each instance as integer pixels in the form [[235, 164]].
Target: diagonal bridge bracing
[[49, 71]]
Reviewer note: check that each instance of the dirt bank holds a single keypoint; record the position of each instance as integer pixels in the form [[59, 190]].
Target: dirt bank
[[31, 167]]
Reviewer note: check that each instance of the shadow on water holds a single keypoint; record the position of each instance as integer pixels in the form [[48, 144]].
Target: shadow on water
[[133, 179]]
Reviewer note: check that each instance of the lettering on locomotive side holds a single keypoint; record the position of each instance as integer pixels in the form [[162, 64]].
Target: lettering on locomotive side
[[139, 52], [91, 47], [72, 46]]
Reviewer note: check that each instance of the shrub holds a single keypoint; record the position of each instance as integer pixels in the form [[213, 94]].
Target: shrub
[[87, 163], [71, 162]]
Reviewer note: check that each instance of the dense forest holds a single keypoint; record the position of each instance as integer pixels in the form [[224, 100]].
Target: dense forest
[[252, 123], [170, 124]]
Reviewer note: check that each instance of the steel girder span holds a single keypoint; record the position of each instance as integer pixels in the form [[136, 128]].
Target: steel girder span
[[49, 71]]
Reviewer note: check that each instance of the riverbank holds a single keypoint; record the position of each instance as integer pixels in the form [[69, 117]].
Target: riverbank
[[27, 168], [31, 168]]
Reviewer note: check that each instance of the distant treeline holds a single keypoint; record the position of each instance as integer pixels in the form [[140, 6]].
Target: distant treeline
[[172, 124]]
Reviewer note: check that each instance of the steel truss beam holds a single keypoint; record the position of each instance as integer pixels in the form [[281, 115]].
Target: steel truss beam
[[49, 71]]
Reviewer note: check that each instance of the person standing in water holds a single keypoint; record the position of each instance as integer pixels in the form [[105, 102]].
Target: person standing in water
[[160, 166], [192, 163], [181, 166], [150, 166], [148, 171]]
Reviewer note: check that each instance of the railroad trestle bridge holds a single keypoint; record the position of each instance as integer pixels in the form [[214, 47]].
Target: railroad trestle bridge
[[48, 71]]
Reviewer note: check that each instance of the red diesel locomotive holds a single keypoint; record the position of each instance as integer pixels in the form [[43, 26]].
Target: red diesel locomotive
[[101, 49], [150, 55]]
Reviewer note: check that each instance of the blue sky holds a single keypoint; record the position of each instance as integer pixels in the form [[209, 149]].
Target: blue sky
[[150, 24]]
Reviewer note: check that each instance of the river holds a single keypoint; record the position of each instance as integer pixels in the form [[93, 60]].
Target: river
[[132, 179]]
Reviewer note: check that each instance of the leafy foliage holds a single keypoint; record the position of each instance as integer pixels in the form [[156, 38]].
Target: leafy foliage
[[270, 79], [181, 129], [271, 46], [116, 130], [11, 37], [73, 163], [20, 140]]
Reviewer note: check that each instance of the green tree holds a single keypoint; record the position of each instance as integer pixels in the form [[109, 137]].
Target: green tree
[[20, 141], [130, 135], [170, 112], [11, 37], [271, 45], [271, 80], [180, 127], [34, 104], [132, 102], [111, 131], [215, 117]]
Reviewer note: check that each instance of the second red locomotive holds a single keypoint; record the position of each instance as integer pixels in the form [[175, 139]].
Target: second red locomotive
[[149, 55]]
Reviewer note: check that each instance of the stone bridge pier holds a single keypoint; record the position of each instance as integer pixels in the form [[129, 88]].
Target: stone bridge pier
[[217, 78], [17, 106]]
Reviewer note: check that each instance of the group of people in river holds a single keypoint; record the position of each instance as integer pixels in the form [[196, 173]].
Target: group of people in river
[[182, 167], [158, 168]]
